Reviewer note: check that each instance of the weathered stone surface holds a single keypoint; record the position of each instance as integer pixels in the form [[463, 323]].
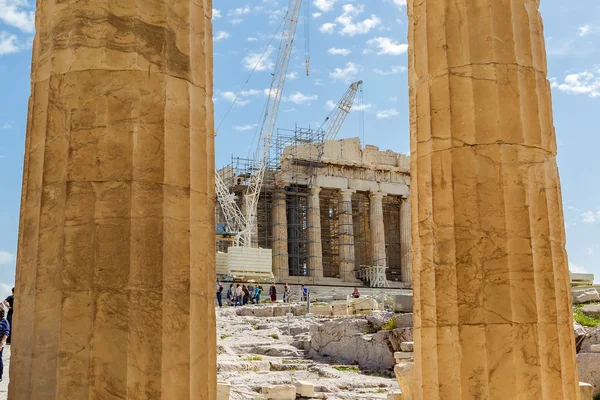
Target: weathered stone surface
[[395, 396], [116, 267], [407, 346], [279, 392], [255, 311], [405, 242], [591, 339], [405, 374], [223, 390], [403, 303], [378, 319], [592, 311], [584, 295], [339, 308], [401, 356], [588, 365], [404, 320], [490, 270], [400, 335], [586, 390], [324, 310], [304, 388], [595, 348]]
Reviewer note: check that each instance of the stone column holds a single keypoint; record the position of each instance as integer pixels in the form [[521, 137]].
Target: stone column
[[378, 257], [315, 250], [405, 242], [493, 317], [346, 236], [280, 237], [116, 261]]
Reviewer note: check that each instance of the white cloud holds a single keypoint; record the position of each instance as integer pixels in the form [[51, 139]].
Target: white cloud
[[336, 51], [17, 13], [289, 110], [330, 105], [387, 46], [577, 268], [259, 61], [361, 107], [216, 13], [300, 98], [5, 290], [242, 128], [238, 12], [7, 125], [242, 99], [6, 258], [590, 217], [236, 21], [584, 30], [327, 28], [252, 39], [352, 28], [220, 35], [399, 3], [292, 75], [393, 99], [396, 69], [8, 43], [347, 74], [385, 114], [324, 5], [317, 14], [586, 82]]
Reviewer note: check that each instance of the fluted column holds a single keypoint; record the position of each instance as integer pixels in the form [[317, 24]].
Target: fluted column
[[280, 237], [346, 236], [378, 256], [315, 249], [116, 260], [405, 242], [493, 317]]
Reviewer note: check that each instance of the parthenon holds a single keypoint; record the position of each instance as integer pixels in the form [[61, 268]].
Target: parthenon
[[330, 208]]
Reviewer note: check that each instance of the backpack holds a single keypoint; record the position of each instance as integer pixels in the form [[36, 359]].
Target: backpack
[[220, 288]]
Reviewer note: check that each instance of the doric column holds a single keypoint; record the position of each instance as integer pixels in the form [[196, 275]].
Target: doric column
[[315, 250], [116, 266], [493, 316], [346, 236], [280, 237], [378, 257], [405, 242]]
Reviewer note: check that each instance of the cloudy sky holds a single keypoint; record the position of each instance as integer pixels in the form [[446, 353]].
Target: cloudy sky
[[347, 40]]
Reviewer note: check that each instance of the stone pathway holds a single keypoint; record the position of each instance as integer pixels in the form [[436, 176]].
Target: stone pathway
[[4, 383]]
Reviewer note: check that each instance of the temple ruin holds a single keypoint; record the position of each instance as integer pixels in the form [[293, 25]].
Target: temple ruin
[[328, 211]]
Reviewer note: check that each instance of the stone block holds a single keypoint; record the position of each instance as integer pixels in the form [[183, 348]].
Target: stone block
[[397, 189], [405, 376], [331, 182], [584, 295], [362, 304], [591, 339], [363, 185], [324, 310], [223, 390], [279, 392], [588, 365], [586, 391], [595, 348], [407, 346], [400, 356], [281, 311], [404, 320], [339, 308], [299, 309], [592, 311], [255, 311], [395, 396], [304, 388], [403, 303]]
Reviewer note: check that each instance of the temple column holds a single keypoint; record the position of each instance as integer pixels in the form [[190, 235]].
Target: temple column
[[493, 316], [315, 250], [116, 260], [280, 237], [378, 256], [405, 242], [346, 236]]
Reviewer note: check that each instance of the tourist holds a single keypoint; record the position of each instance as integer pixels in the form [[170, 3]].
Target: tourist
[[246, 295], [238, 295], [10, 300], [219, 294], [355, 294], [273, 293], [4, 334], [260, 292], [256, 296], [304, 293], [251, 289], [230, 295], [286, 293]]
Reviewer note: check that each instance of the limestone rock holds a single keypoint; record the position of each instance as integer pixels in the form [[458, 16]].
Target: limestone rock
[[406, 346], [304, 388], [324, 310], [579, 329], [591, 339], [395, 396], [595, 348], [584, 295], [223, 390], [378, 319], [592, 311], [403, 303], [279, 392], [405, 375], [339, 308], [589, 369], [586, 391], [401, 356], [404, 320], [400, 335], [255, 311]]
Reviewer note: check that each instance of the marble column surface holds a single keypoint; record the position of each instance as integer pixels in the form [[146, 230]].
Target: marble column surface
[[378, 255], [346, 236], [116, 259], [492, 303], [315, 248], [280, 237], [405, 242]]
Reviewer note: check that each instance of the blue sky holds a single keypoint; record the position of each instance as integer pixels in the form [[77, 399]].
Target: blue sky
[[349, 40]]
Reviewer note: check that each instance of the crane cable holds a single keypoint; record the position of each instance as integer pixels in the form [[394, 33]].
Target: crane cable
[[249, 76], [307, 35], [361, 115]]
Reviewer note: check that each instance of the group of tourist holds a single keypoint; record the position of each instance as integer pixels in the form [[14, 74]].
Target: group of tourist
[[242, 294], [5, 325]]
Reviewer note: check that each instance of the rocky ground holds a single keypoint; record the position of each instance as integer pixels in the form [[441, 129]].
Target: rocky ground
[[257, 352]]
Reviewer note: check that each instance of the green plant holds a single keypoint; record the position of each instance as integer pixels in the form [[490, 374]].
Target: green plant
[[223, 337], [585, 320], [353, 368], [255, 327], [390, 324], [275, 336], [254, 358], [597, 396], [381, 391]]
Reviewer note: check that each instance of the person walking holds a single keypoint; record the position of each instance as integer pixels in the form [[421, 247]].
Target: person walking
[[230, 295], [256, 295], [246, 295], [219, 294], [10, 300], [238, 295], [4, 334], [304, 293], [273, 293], [286, 293]]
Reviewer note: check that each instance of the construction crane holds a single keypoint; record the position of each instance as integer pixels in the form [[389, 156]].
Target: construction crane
[[334, 121], [237, 222]]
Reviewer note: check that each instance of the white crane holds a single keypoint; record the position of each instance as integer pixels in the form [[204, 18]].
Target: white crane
[[334, 121], [237, 222]]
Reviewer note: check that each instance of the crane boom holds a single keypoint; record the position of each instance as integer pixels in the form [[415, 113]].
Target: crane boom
[[234, 218], [270, 117]]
